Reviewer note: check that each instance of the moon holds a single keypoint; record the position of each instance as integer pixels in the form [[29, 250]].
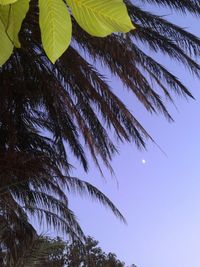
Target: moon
[[143, 161]]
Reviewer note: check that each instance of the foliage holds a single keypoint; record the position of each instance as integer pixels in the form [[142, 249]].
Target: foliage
[[90, 255], [49, 112], [37, 252], [44, 251], [97, 17], [34, 185]]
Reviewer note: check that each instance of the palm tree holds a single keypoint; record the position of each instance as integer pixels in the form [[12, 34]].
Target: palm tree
[[36, 252], [48, 112]]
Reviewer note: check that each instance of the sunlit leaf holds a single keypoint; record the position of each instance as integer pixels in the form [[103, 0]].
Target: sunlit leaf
[[6, 46], [7, 2], [101, 17], [56, 28], [12, 17]]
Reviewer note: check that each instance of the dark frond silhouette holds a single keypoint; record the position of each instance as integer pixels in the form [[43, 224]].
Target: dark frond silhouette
[[49, 112]]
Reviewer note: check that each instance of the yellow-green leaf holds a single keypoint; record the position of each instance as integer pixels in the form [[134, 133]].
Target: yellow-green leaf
[[56, 27], [6, 46], [18, 13], [4, 15], [101, 17], [12, 16], [7, 2]]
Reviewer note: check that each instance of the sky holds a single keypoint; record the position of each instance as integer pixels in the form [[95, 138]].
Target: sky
[[161, 198]]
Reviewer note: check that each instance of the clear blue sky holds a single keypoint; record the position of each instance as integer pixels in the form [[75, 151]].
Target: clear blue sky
[[160, 199]]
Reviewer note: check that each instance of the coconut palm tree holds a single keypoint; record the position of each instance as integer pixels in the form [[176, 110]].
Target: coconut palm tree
[[50, 112]]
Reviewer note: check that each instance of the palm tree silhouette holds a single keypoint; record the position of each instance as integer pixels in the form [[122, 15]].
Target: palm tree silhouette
[[49, 112]]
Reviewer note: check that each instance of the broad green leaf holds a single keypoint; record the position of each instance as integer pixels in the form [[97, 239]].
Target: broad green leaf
[[12, 16], [101, 17], [4, 15], [6, 46], [56, 27], [7, 2]]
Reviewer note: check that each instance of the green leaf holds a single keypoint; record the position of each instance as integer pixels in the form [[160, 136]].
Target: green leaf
[[18, 14], [56, 27], [6, 46], [12, 16], [101, 17], [7, 2]]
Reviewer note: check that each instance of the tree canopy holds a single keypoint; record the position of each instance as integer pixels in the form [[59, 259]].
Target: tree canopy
[[54, 252], [49, 112]]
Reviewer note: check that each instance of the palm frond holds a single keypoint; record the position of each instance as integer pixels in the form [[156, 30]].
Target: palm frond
[[191, 6], [49, 112]]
